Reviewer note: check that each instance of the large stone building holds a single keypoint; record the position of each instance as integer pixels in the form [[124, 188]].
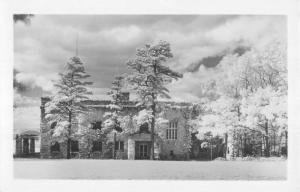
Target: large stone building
[[172, 142]]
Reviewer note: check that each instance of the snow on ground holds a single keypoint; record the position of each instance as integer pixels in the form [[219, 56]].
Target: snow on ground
[[143, 169]]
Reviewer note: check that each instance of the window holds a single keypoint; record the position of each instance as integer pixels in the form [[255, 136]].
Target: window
[[172, 130], [97, 146], [55, 147], [97, 125], [74, 146], [119, 145]]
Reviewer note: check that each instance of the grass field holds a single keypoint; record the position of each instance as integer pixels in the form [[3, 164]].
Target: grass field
[[126, 169]]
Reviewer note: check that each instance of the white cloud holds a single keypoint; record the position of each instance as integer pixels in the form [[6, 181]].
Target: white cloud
[[255, 30], [23, 101], [106, 42], [122, 34], [33, 80]]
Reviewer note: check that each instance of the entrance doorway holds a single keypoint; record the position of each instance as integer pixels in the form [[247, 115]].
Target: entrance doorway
[[142, 150]]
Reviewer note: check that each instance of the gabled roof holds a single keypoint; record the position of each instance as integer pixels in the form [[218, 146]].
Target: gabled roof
[[30, 132]]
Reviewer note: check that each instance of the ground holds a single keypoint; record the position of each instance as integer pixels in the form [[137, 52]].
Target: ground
[[143, 169]]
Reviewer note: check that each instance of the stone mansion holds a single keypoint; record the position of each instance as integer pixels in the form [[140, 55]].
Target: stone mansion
[[172, 143]]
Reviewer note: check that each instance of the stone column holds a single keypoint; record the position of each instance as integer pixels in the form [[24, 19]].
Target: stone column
[[32, 145], [18, 145], [229, 150], [131, 149], [45, 139]]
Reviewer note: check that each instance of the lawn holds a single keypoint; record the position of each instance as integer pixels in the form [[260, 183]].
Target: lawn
[[143, 169]]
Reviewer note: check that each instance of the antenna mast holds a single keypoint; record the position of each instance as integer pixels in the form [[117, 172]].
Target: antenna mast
[[76, 51]]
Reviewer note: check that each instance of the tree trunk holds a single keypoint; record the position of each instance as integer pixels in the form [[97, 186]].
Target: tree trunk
[[274, 143], [267, 150], [69, 148], [286, 142], [262, 145], [152, 132], [114, 147], [69, 134], [279, 148], [245, 145], [226, 145]]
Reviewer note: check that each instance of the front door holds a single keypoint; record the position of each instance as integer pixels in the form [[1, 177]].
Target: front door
[[142, 150]]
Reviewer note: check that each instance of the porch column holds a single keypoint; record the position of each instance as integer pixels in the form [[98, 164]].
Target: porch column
[[18, 145], [32, 146], [229, 150], [131, 149]]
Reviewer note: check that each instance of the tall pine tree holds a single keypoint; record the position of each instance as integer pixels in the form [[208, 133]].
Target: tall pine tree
[[114, 117], [64, 108], [149, 77]]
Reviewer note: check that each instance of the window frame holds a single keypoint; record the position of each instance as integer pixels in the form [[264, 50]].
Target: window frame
[[172, 130], [101, 147], [119, 146], [72, 144]]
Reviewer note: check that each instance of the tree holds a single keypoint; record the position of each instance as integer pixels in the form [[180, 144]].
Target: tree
[[23, 18], [250, 99], [114, 118], [67, 105], [149, 77], [265, 110]]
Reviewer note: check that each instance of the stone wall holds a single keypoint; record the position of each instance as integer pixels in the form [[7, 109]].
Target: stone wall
[[179, 145]]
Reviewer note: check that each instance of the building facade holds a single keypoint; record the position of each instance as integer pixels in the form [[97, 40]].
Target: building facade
[[172, 141]]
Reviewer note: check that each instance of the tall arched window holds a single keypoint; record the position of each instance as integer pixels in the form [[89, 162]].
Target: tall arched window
[[172, 130]]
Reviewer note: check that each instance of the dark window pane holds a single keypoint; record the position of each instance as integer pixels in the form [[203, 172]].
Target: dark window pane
[[97, 125], [97, 146], [144, 128], [116, 145], [74, 146], [55, 147], [122, 145]]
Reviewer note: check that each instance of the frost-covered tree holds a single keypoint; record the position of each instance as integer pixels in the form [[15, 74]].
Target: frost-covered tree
[[114, 117], [65, 107], [264, 110], [149, 77], [241, 84]]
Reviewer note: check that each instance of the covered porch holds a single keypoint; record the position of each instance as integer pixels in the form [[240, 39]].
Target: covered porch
[[27, 144], [139, 146]]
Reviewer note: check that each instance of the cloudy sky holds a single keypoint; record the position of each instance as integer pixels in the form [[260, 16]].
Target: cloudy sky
[[105, 43]]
